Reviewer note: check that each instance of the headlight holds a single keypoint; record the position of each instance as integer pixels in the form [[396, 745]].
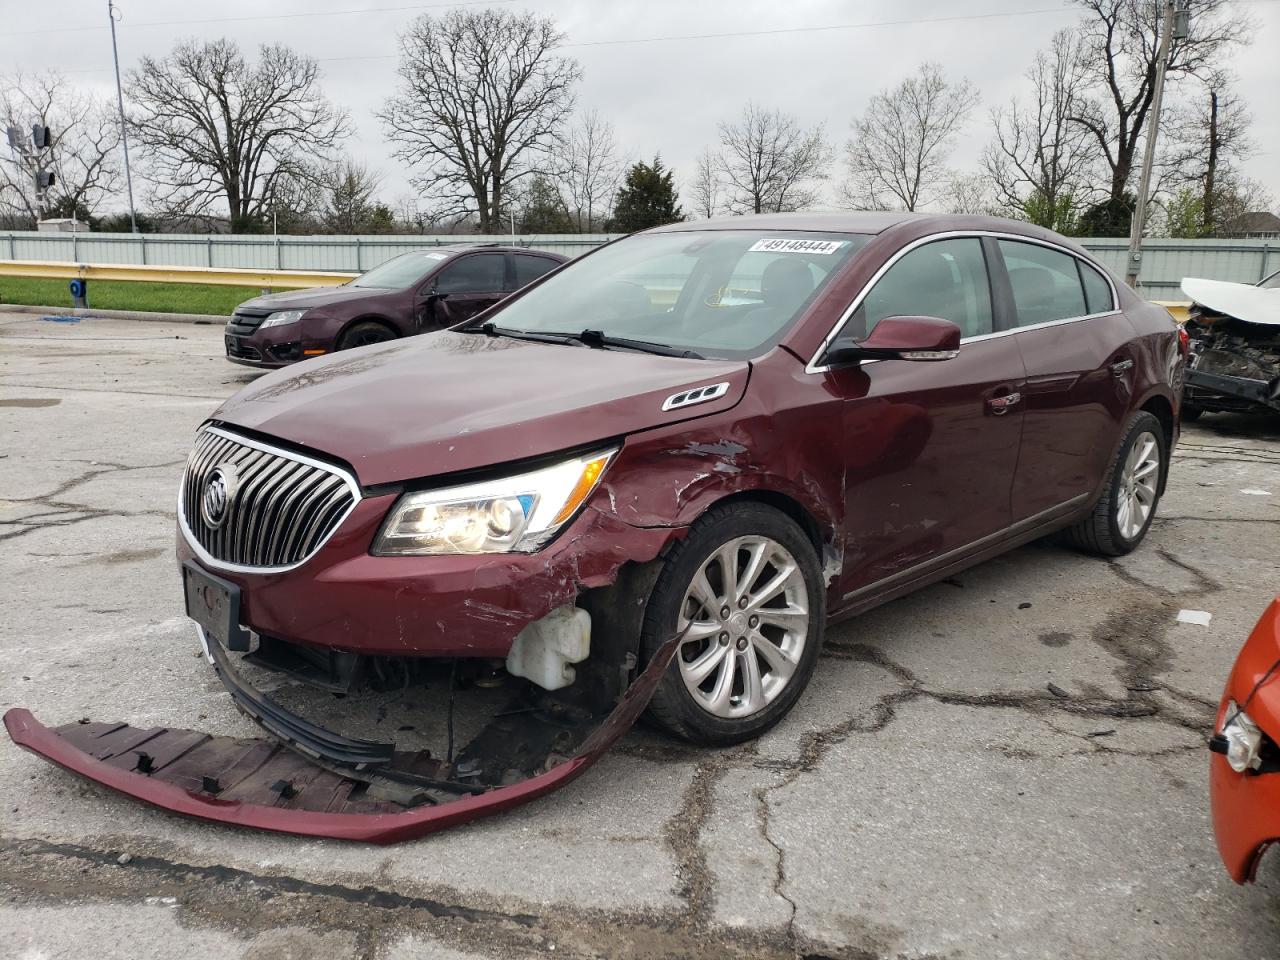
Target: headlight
[[282, 317], [1244, 740], [518, 513]]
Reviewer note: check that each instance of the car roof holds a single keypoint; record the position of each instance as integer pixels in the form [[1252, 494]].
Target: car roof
[[858, 221], [869, 221], [453, 250]]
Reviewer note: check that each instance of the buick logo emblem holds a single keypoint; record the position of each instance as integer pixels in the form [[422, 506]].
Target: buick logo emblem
[[219, 490]]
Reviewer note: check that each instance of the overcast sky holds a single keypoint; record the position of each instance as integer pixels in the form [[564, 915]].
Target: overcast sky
[[662, 96]]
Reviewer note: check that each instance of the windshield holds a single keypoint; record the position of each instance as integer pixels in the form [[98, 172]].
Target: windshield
[[1272, 282], [400, 271], [724, 293]]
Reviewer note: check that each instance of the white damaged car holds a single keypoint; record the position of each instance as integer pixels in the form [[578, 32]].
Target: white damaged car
[[1234, 329]]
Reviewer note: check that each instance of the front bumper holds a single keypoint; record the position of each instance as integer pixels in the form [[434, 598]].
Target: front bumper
[[345, 599], [258, 783], [1246, 806], [272, 347], [1208, 390]]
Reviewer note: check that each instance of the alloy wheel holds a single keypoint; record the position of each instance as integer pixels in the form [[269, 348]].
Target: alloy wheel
[[1136, 497], [745, 621]]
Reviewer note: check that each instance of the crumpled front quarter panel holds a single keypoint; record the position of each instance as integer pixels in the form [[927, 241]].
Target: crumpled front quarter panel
[[785, 437]]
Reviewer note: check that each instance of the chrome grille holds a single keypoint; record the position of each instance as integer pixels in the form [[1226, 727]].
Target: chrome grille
[[283, 509]]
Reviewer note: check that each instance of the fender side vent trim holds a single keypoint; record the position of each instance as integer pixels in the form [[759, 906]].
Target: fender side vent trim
[[687, 398]]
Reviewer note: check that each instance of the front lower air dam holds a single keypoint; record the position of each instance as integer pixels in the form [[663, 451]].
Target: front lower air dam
[[260, 783]]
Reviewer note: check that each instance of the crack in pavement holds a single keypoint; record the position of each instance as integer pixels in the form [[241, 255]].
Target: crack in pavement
[[64, 513], [248, 903]]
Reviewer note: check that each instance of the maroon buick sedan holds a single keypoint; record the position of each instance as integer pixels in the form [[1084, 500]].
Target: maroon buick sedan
[[413, 293], [647, 481]]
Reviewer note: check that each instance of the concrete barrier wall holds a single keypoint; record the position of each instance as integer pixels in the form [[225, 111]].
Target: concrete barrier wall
[[1165, 262]]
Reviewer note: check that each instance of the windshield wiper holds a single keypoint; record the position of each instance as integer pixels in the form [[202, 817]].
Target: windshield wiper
[[601, 341], [491, 329], [588, 338]]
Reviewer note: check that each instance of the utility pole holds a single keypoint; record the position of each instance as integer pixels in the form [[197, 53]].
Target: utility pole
[[1174, 26], [124, 133]]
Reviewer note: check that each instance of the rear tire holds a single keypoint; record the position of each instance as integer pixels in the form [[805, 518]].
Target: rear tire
[[1123, 514], [365, 333], [753, 633], [1190, 414]]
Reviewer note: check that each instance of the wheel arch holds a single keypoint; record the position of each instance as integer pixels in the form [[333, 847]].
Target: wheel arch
[[783, 504], [378, 318], [1161, 408]]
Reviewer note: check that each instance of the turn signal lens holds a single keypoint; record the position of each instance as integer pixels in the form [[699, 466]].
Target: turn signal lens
[[586, 483]]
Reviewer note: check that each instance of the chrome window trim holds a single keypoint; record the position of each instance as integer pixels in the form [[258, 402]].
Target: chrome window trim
[[212, 561], [813, 366]]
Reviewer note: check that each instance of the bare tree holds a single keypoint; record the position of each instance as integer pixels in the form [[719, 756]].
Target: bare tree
[[1208, 136], [84, 138], [588, 169], [349, 206], [901, 144], [1121, 40], [969, 193], [1042, 164], [219, 130], [707, 186], [482, 97], [770, 163]]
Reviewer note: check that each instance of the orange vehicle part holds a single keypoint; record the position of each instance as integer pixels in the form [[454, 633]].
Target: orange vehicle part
[[1246, 806]]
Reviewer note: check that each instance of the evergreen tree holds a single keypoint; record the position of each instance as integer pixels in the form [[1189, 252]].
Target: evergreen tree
[[542, 209], [647, 198], [1110, 218]]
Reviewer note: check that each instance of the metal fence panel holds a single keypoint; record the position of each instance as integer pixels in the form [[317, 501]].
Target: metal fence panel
[[1164, 262]]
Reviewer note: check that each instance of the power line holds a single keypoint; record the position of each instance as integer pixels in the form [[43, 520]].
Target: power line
[[865, 25], [269, 16], [836, 26]]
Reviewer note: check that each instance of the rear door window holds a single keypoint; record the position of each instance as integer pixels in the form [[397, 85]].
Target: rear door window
[[530, 268], [1046, 284], [474, 273]]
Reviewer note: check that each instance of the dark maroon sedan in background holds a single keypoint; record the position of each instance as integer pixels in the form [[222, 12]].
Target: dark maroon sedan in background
[[413, 293]]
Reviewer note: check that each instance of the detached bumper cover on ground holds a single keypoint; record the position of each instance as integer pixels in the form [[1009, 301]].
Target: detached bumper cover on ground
[[260, 783]]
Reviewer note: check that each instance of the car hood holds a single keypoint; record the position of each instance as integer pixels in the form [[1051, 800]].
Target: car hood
[[310, 298], [1243, 301], [448, 402]]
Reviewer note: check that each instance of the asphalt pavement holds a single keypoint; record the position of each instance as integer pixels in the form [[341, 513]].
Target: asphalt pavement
[[929, 797]]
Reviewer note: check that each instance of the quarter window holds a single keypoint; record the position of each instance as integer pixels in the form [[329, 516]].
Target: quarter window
[[1046, 284], [946, 278], [1097, 292], [477, 273]]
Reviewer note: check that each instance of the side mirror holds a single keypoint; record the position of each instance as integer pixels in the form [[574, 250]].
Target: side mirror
[[899, 338]]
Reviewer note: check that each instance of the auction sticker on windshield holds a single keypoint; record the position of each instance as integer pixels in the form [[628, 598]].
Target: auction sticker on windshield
[[779, 245]]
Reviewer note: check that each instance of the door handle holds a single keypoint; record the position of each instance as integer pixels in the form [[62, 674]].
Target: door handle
[[1002, 405], [1120, 367]]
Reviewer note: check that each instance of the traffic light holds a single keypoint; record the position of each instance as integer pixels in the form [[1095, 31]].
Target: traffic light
[[40, 136]]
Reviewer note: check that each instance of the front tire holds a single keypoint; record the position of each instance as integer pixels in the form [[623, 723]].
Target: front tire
[[365, 333], [746, 589], [1123, 514]]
